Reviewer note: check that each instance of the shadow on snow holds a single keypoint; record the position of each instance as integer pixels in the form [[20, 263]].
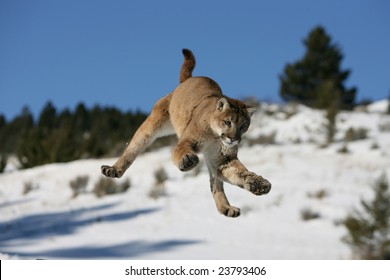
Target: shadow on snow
[[34, 228], [126, 250], [30, 228]]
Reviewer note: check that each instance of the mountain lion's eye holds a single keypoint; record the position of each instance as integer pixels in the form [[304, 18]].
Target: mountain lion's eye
[[228, 123], [243, 127]]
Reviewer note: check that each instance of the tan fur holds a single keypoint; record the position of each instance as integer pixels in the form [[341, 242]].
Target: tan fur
[[205, 121]]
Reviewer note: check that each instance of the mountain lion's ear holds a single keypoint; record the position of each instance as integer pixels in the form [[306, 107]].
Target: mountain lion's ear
[[250, 110], [222, 104]]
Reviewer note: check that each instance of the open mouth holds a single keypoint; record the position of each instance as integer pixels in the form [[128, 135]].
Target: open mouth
[[229, 142]]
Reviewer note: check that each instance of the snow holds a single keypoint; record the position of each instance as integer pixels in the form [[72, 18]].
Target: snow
[[378, 107], [47, 223]]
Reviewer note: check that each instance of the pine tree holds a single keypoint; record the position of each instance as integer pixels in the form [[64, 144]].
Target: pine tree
[[305, 80], [61, 136], [15, 131], [329, 99], [3, 161], [369, 229], [48, 117]]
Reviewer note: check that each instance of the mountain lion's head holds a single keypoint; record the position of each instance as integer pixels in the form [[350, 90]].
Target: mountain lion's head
[[230, 120]]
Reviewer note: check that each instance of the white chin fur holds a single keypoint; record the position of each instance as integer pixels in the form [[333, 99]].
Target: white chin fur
[[228, 143]]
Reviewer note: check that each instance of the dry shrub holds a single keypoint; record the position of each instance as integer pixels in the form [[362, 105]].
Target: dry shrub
[[158, 189], [106, 186], [308, 214], [79, 185]]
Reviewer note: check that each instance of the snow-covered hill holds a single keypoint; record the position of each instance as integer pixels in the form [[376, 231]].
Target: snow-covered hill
[[307, 178]]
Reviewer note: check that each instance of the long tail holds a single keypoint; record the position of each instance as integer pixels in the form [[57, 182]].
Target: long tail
[[188, 65]]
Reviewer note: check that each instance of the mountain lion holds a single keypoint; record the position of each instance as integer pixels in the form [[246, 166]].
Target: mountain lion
[[205, 121]]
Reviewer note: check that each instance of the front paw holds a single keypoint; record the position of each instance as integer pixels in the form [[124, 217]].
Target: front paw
[[111, 171], [188, 162], [257, 185]]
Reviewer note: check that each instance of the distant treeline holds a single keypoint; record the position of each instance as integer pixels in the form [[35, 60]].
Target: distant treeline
[[61, 136]]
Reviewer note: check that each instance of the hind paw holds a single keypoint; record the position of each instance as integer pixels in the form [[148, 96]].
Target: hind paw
[[111, 171], [230, 211]]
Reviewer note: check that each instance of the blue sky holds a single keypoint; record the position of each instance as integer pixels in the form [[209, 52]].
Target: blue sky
[[128, 53]]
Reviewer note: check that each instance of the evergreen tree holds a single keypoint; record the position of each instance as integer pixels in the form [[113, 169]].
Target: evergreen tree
[[61, 136], [369, 229], [48, 117], [307, 80], [32, 152], [82, 119], [3, 162], [3, 155], [329, 99], [388, 105], [15, 131], [3, 121]]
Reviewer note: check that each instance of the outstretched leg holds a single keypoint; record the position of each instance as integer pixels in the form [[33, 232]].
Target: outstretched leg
[[235, 173], [220, 198], [156, 125]]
